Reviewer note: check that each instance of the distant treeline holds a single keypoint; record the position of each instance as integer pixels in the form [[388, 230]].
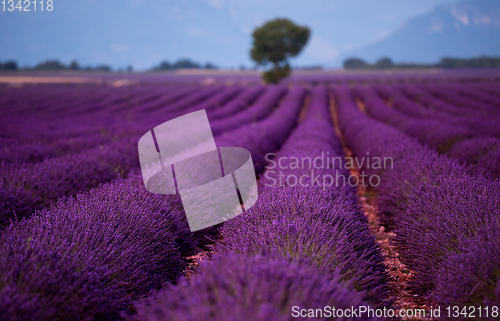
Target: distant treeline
[[53, 65], [56, 65], [181, 64], [8, 65], [312, 67], [387, 63]]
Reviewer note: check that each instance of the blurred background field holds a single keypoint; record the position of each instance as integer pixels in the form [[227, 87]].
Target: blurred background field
[[416, 82]]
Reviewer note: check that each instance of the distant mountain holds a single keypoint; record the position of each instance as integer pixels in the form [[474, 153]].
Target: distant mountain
[[464, 30]]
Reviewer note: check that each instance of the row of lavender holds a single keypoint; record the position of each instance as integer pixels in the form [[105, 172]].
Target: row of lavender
[[468, 133], [117, 242], [446, 220], [98, 252], [433, 77], [466, 106], [100, 232], [51, 130], [298, 246], [28, 186]]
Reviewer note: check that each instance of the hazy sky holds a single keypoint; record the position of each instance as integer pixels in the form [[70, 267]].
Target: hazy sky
[[144, 32]]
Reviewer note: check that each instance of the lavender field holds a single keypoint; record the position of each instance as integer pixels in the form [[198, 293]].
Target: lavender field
[[82, 239]]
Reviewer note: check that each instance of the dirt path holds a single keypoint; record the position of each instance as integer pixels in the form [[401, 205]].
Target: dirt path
[[399, 273], [208, 243]]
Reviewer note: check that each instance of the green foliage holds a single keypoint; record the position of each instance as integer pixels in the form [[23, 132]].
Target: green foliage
[[74, 65], [56, 65], [186, 63], [386, 63], [52, 65], [210, 66], [355, 63], [182, 63], [275, 42], [100, 68], [8, 65], [164, 65], [479, 62], [276, 74]]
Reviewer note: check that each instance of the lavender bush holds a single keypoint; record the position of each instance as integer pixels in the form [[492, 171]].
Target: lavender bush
[[106, 252], [259, 110], [260, 287], [40, 184], [431, 202], [463, 282], [310, 222], [482, 154], [434, 134], [88, 257]]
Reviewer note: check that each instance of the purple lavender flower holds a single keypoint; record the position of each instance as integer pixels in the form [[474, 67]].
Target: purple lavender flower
[[260, 287], [88, 257]]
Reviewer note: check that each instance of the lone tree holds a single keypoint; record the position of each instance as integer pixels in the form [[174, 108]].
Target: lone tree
[[275, 42]]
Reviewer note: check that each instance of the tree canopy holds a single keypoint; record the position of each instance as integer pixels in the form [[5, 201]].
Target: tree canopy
[[275, 42]]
